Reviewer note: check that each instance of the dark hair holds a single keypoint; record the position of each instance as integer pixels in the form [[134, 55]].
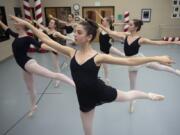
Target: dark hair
[[91, 27], [72, 15], [55, 22], [108, 19], [138, 23]]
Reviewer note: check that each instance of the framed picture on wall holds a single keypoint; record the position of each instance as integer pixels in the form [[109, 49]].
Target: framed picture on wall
[[58, 12], [146, 15], [3, 36], [175, 9], [175, 2]]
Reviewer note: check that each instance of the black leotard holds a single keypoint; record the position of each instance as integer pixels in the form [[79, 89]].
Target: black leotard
[[111, 27], [69, 29], [104, 41], [91, 91], [131, 49], [50, 35], [20, 47], [53, 38]]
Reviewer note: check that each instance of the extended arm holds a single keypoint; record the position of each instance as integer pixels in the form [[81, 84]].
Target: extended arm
[[100, 16], [114, 34], [59, 35], [48, 48], [58, 20], [41, 26], [5, 27], [152, 42], [39, 45], [132, 61], [82, 19], [118, 23], [8, 30]]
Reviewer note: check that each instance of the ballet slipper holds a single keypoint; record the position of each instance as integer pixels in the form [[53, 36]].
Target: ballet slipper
[[155, 97], [57, 84], [178, 72], [131, 106], [31, 112]]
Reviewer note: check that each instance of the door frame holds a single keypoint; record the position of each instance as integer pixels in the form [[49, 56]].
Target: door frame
[[46, 8], [112, 8], [97, 7]]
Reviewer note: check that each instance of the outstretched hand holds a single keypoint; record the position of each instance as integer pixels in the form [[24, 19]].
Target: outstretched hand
[[34, 21], [52, 17], [99, 15], [82, 19], [166, 60], [99, 25]]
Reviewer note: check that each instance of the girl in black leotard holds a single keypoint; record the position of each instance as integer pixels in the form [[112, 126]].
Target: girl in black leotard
[[53, 34], [20, 48], [69, 27], [105, 44], [85, 64], [132, 43], [55, 57]]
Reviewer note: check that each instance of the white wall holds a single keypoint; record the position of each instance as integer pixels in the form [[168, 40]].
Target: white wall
[[161, 12]]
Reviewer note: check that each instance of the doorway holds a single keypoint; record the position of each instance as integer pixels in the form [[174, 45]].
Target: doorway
[[90, 12]]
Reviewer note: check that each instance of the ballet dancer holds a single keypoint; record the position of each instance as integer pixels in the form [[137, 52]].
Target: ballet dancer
[[53, 34], [106, 45], [69, 27], [132, 43], [20, 46]]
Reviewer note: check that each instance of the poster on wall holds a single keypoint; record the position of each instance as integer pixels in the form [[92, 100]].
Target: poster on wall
[[146, 15], [176, 9], [3, 36]]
